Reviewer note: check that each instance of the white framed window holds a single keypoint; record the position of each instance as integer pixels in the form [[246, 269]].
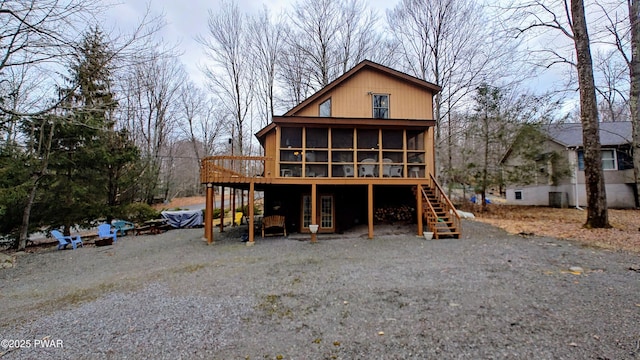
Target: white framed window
[[306, 211], [325, 108], [380, 106], [608, 156], [608, 159], [518, 194], [326, 211]]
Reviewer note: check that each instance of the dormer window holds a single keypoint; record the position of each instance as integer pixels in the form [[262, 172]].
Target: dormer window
[[325, 108], [380, 106]]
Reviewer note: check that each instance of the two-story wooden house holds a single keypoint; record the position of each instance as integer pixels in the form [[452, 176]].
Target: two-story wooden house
[[363, 143]]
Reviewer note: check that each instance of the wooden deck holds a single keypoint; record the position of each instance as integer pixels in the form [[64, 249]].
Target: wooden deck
[[239, 171], [255, 173]]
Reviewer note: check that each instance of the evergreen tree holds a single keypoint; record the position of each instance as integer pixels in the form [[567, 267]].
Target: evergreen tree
[[538, 163], [490, 134], [87, 155]]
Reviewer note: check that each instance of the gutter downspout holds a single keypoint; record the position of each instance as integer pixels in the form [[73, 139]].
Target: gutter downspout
[[575, 177]]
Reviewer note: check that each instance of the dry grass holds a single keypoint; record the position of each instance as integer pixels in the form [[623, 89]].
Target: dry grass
[[567, 224]]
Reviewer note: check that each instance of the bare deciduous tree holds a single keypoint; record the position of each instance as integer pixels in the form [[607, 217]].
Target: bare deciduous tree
[[566, 18], [330, 37], [625, 30], [230, 74], [438, 41], [294, 78], [634, 96], [358, 38], [315, 25], [267, 38], [149, 111], [597, 214], [610, 84], [192, 107]]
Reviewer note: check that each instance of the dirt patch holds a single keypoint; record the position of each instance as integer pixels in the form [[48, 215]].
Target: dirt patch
[[181, 202], [566, 224]]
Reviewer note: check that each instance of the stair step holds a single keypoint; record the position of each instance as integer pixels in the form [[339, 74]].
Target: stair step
[[445, 226]]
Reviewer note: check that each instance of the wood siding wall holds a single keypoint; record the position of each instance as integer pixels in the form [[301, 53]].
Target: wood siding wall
[[270, 144], [354, 98]]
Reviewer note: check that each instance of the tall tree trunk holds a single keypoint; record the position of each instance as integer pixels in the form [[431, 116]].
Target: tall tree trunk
[[26, 214], [634, 92], [597, 214], [485, 165]]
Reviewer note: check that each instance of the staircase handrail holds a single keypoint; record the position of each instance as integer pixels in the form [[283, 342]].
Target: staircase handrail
[[447, 204], [432, 216]]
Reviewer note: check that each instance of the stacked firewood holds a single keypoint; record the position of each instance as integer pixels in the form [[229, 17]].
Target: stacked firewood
[[393, 214]]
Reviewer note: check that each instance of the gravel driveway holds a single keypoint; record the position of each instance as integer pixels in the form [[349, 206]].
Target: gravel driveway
[[489, 295]]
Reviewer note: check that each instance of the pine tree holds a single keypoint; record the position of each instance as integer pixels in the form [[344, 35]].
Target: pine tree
[[87, 155]]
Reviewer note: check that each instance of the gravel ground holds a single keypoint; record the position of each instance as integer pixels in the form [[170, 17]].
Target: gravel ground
[[489, 295]]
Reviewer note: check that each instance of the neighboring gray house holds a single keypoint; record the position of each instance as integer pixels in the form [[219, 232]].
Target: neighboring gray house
[[555, 176]]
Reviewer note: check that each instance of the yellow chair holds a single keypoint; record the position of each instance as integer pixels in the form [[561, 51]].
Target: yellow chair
[[238, 218]]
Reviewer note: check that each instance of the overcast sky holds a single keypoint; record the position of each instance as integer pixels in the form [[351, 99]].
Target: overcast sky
[[188, 18]]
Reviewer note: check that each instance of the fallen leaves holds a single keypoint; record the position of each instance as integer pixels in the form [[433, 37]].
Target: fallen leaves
[[566, 224]]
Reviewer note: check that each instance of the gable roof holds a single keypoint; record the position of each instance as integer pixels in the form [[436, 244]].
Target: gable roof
[[366, 64], [570, 134]]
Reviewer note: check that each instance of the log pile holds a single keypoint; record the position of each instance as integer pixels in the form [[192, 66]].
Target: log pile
[[394, 214]]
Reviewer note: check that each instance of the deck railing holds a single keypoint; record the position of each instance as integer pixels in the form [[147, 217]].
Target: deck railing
[[232, 168], [239, 169]]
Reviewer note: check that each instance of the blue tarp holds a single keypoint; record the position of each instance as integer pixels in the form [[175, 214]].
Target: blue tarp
[[182, 219], [477, 201]]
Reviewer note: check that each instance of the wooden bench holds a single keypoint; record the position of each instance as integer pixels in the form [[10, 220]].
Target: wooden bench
[[274, 221], [153, 227]]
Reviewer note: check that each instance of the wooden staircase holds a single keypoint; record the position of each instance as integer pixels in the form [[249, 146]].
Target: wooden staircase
[[439, 213]]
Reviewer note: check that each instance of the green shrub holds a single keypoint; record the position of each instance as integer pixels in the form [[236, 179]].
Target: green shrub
[[216, 213], [139, 213], [245, 209]]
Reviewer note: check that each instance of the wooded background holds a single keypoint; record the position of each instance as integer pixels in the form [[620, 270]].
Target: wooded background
[[92, 121]]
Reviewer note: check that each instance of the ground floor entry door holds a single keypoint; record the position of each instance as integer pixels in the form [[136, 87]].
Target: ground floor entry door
[[325, 211]]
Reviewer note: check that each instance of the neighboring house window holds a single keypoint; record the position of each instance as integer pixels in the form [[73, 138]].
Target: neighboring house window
[[518, 194], [325, 108], [608, 159], [580, 160], [625, 161], [380, 106]]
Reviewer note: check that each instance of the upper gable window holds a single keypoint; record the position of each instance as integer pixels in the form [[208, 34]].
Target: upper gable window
[[325, 108], [380, 106]]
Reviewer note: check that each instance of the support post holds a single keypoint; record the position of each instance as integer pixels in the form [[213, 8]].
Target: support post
[[370, 209], [208, 214], [314, 190], [242, 200], [419, 213], [222, 209], [251, 215], [233, 206]]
